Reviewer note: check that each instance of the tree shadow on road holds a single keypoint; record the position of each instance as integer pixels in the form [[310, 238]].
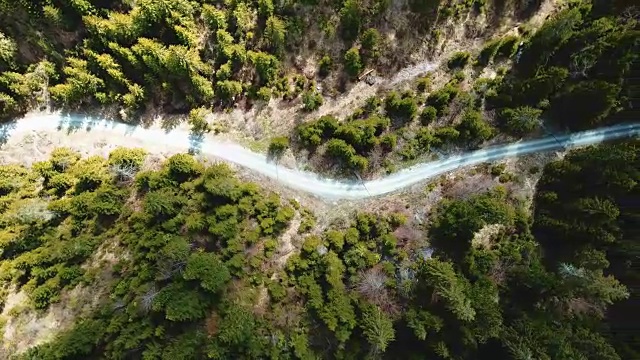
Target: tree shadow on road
[[5, 131], [195, 143]]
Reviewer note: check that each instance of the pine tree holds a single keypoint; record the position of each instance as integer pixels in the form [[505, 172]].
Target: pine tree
[[378, 329]]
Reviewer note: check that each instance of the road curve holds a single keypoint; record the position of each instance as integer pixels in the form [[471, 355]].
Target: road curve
[[181, 141]]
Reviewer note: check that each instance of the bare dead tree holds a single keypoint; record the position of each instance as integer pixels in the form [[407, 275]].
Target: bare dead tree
[[375, 158], [578, 306], [63, 163], [168, 269], [372, 283], [124, 173], [372, 286], [500, 270], [630, 14], [469, 186], [474, 30], [409, 234], [148, 297], [289, 315], [571, 271], [406, 274], [118, 305], [34, 210], [322, 250], [580, 65]]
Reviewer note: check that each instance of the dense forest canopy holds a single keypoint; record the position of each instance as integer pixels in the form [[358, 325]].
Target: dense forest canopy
[[579, 70], [587, 218], [184, 54], [186, 259], [196, 246], [580, 67]]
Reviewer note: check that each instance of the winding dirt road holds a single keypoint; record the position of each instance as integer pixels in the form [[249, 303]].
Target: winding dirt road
[[154, 139]]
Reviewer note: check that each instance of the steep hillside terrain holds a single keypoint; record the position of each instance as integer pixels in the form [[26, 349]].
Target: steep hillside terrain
[[117, 244], [186, 261]]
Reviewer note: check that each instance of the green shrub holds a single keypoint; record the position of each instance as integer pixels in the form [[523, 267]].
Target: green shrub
[[63, 158], [127, 157], [308, 222], [473, 128], [372, 104], [352, 62], [208, 270], [346, 154], [520, 121], [214, 18], [459, 76], [45, 294], [397, 219], [312, 134], [423, 84], [370, 41], [270, 247], [277, 292], [408, 151], [278, 146], [447, 134], [459, 60], [60, 183], [506, 177], [403, 107], [586, 104], [428, 115], [228, 90], [264, 93], [424, 7], [198, 122], [508, 47], [482, 86], [339, 148], [424, 139], [335, 239], [162, 204], [311, 100], [351, 18], [359, 163], [362, 133], [183, 167], [71, 275], [325, 65], [441, 98], [389, 142], [310, 245], [488, 52], [300, 82], [107, 201], [224, 72], [498, 169], [91, 173]]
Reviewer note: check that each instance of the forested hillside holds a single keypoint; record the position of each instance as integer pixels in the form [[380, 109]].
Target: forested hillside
[[578, 71], [125, 58], [181, 259], [180, 236], [196, 272], [578, 68], [183, 54], [587, 216]]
